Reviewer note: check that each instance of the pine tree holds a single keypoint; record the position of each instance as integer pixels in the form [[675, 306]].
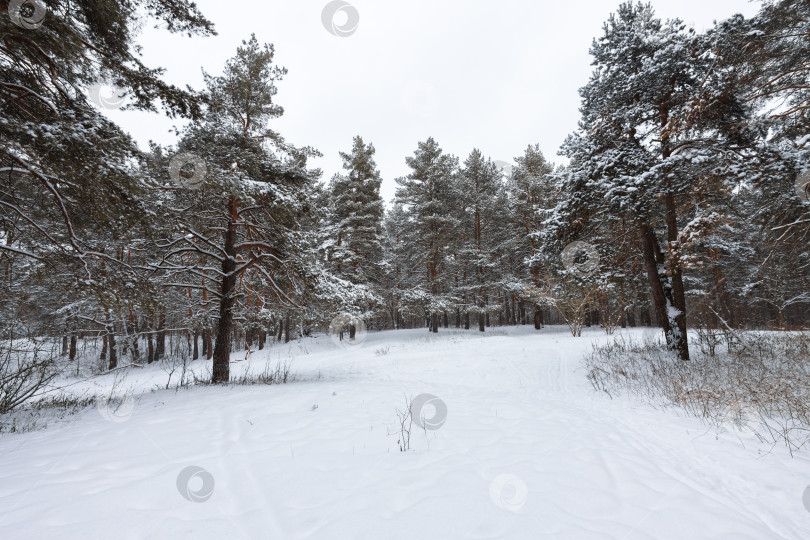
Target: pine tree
[[72, 204], [531, 192], [358, 214], [767, 56], [356, 222], [240, 231], [46, 118], [427, 194], [663, 127], [479, 192], [396, 279]]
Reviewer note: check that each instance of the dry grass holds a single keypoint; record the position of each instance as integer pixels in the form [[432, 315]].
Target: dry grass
[[759, 380]]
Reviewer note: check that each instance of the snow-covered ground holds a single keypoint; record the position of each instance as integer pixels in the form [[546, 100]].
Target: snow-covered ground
[[527, 450]]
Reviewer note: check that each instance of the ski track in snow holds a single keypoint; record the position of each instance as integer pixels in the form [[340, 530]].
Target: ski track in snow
[[518, 404]]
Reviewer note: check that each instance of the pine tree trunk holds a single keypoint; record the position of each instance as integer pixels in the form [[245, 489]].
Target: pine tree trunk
[[196, 354], [481, 320], [287, 328], [434, 322], [209, 344], [72, 350], [125, 337], [109, 330], [113, 352], [658, 283], [150, 348], [104, 346], [514, 311], [136, 352], [222, 348], [160, 346], [538, 317], [720, 289], [113, 363], [646, 318], [676, 275]]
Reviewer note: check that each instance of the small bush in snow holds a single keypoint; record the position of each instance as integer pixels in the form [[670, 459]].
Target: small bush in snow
[[280, 374], [39, 414], [404, 426], [26, 367]]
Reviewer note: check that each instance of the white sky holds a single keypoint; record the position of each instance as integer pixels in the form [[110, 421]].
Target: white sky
[[493, 75]]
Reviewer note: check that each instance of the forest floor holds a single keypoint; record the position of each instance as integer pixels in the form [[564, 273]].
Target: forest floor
[[527, 449]]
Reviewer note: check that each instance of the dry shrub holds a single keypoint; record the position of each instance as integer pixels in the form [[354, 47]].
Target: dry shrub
[[760, 381]]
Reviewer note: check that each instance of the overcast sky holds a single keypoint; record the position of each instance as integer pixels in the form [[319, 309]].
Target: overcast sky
[[493, 75]]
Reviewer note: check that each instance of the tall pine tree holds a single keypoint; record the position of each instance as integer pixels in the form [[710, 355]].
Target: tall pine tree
[[428, 195]]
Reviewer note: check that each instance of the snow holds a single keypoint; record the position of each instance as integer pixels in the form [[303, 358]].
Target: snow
[[527, 449]]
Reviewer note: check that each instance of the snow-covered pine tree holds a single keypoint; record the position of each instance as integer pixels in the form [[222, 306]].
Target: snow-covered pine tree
[[71, 204], [47, 119], [356, 224], [428, 196], [531, 192], [767, 55], [662, 128], [240, 230], [395, 279], [479, 190]]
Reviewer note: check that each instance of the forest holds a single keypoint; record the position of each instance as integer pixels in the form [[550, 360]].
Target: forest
[[684, 205], [679, 204]]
